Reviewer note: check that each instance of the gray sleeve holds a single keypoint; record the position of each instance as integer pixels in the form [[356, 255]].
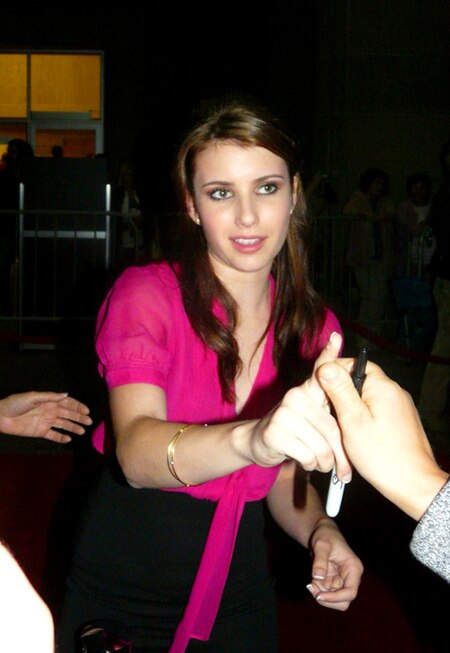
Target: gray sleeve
[[431, 540]]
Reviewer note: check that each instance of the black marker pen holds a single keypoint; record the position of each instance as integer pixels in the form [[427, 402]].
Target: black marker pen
[[336, 487]]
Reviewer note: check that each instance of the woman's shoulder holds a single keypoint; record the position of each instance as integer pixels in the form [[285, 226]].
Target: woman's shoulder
[[155, 276], [139, 292], [330, 322], [161, 271]]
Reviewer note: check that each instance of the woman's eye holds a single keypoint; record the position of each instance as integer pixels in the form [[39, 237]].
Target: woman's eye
[[267, 189], [220, 194]]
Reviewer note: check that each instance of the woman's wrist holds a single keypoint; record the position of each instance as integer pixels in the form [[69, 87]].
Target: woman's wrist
[[243, 440], [322, 522], [249, 435]]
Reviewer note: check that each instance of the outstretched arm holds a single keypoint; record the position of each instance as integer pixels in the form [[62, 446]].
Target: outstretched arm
[[300, 427], [383, 436], [37, 414]]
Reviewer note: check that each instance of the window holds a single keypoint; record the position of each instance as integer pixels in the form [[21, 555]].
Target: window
[[52, 99]]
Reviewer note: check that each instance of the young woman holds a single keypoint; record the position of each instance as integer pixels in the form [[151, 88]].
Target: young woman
[[199, 357]]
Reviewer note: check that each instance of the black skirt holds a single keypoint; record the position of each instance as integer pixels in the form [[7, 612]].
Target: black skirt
[[136, 558]]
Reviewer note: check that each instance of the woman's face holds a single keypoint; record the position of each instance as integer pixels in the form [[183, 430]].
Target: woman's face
[[242, 197]]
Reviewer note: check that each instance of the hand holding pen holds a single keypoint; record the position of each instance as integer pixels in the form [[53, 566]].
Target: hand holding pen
[[337, 486], [383, 436]]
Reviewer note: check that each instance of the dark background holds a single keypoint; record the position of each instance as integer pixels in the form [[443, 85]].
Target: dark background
[[160, 63], [361, 83]]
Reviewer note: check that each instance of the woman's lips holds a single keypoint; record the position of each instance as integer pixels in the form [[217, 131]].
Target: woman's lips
[[248, 244]]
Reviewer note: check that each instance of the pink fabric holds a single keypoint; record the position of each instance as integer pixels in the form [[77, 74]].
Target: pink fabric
[[206, 593], [144, 336]]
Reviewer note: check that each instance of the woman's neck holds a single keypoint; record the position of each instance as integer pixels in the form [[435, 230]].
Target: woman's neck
[[250, 292]]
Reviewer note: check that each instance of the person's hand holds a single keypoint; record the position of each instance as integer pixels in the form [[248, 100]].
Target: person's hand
[[302, 428], [383, 436], [27, 624], [336, 570], [37, 414]]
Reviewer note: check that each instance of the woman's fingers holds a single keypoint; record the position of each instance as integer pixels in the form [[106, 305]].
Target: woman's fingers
[[328, 354], [339, 599], [312, 424], [67, 414], [74, 405], [301, 429]]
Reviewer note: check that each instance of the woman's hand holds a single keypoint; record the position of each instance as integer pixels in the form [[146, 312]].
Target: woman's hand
[[301, 427], [37, 414], [336, 570]]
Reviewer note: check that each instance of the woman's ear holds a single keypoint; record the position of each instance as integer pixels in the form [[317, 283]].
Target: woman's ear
[[190, 208], [297, 189]]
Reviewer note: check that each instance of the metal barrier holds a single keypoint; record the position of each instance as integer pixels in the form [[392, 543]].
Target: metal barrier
[[330, 275], [62, 262], [54, 266], [59, 261]]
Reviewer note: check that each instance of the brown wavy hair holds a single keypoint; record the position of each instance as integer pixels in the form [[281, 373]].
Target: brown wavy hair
[[297, 311]]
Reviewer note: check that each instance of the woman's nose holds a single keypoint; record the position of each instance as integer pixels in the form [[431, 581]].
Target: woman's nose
[[246, 213]]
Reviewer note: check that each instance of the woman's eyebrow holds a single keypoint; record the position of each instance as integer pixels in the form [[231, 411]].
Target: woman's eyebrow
[[218, 182]]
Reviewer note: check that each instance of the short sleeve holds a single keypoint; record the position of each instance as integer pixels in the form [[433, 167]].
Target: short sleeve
[[133, 330]]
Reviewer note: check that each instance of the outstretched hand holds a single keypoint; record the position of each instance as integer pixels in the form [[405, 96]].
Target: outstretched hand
[[38, 414], [301, 426]]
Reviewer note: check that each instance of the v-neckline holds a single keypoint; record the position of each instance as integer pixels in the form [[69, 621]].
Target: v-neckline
[[269, 336], [257, 375]]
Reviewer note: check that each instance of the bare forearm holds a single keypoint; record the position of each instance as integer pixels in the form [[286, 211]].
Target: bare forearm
[[295, 505], [300, 428], [414, 494], [201, 452]]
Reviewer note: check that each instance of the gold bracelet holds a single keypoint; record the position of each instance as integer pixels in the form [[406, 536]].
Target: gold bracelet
[[171, 451]]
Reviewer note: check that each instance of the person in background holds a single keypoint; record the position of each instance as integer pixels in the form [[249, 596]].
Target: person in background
[[57, 152], [369, 251], [384, 438], [15, 168], [131, 229], [436, 379], [321, 198], [415, 248]]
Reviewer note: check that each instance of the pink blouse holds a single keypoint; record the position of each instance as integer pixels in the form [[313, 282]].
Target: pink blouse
[[144, 336]]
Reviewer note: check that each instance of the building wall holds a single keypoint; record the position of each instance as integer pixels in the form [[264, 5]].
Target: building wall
[[382, 89]]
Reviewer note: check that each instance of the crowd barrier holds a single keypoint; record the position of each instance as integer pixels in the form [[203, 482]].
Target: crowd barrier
[[61, 262], [54, 267]]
